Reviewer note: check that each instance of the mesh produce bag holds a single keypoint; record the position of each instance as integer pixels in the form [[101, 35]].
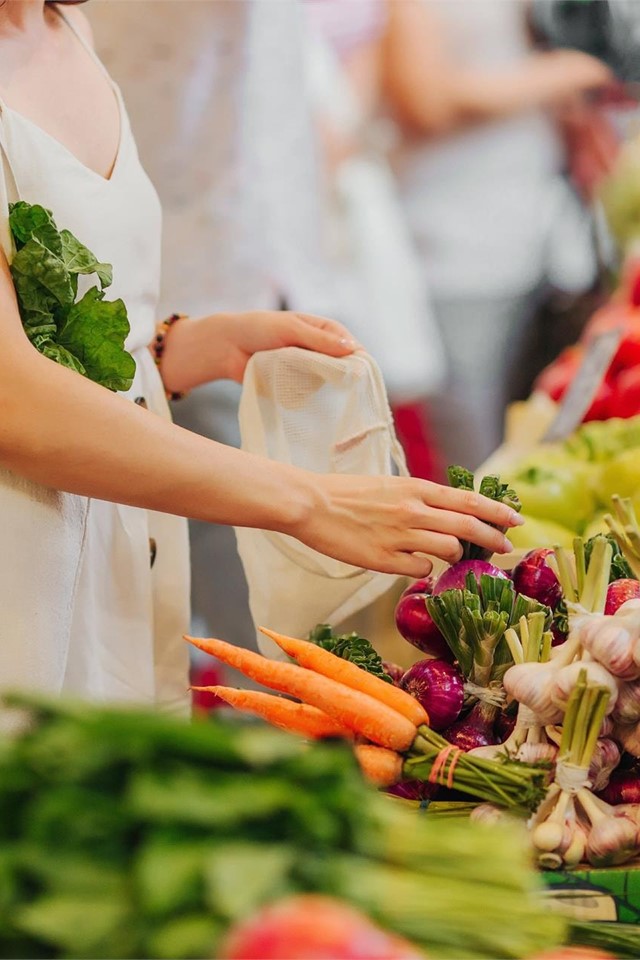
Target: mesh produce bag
[[325, 415]]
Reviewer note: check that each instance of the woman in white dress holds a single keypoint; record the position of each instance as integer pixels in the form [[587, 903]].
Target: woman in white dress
[[89, 478]]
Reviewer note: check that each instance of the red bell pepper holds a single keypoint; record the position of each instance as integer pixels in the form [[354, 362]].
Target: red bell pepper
[[625, 401]]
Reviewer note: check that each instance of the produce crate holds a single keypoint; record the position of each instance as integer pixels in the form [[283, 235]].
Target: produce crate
[[590, 894]]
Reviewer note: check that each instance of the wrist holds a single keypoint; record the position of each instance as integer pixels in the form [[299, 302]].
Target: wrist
[[192, 355], [297, 501]]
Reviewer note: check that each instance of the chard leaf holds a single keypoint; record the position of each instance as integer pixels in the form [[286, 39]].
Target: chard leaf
[[87, 336], [55, 351], [40, 279], [33, 221], [94, 331], [78, 259]]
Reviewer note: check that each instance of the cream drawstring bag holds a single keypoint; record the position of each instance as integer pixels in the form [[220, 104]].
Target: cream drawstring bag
[[325, 415]]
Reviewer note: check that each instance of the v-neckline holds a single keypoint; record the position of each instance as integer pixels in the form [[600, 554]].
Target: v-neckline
[[90, 52], [5, 108]]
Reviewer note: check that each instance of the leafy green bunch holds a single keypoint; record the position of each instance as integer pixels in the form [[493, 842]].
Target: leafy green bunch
[[85, 335], [491, 487], [350, 646], [474, 621], [125, 833]]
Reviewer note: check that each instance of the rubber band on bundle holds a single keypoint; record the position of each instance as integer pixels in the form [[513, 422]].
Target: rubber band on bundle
[[439, 768]]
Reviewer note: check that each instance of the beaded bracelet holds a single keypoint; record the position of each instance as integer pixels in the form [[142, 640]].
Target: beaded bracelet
[[159, 344]]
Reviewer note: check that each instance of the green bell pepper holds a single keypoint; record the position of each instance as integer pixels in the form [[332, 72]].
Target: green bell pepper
[[563, 495]]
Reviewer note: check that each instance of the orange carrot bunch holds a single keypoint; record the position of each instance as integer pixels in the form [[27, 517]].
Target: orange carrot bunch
[[338, 699]]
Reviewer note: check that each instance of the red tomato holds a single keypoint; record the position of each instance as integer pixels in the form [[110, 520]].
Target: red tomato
[[626, 398], [555, 379], [313, 927]]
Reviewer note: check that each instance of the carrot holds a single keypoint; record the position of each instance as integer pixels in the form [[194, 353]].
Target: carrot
[[292, 716], [313, 657], [359, 712], [380, 766]]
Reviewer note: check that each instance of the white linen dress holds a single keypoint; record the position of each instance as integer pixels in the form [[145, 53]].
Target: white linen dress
[[83, 610]]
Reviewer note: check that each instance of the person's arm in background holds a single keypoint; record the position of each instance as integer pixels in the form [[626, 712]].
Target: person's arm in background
[[434, 95]]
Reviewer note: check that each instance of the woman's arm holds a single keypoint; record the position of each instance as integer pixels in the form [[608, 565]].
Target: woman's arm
[[59, 429], [219, 346], [434, 94]]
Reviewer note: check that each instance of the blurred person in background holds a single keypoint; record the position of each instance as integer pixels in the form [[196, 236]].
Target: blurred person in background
[[481, 171], [367, 240]]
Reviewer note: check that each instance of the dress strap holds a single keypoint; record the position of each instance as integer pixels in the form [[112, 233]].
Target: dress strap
[[9, 193], [83, 40]]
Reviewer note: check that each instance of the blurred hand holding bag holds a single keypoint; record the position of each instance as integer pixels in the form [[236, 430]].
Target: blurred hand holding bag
[[325, 415]]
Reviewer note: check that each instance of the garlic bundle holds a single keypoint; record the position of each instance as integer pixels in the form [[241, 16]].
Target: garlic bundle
[[556, 830], [564, 682]]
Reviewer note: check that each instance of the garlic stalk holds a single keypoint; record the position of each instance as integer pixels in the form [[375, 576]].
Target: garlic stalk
[[553, 829]]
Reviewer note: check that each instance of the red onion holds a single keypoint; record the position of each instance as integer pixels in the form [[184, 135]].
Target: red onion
[[424, 585], [393, 670], [534, 578], [474, 730], [413, 790], [619, 592], [456, 576], [439, 687], [623, 787], [414, 623], [505, 724]]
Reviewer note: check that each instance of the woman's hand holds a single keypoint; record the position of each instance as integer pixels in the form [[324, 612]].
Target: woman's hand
[[219, 347], [391, 523], [591, 142]]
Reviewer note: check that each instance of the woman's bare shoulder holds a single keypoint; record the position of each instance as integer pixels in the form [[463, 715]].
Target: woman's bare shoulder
[[79, 21]]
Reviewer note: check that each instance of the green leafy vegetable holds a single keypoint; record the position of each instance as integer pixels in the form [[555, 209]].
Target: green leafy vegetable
[[349, 646], [85, 335], [620, 569], [491, 487], [181, 856]]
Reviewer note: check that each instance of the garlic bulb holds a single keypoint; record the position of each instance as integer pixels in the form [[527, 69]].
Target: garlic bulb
[[612, 840], [606, 758], [627, 708], [574, 854], [629, 810], [565, 680], [628, 734], [612, 645], [487, 813], [532, 684], [537, 752], [606, 730]]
